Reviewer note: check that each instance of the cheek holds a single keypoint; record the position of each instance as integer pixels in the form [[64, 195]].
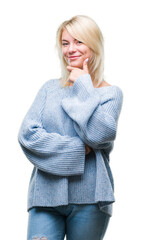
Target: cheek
[[87, 51], [64, 51]]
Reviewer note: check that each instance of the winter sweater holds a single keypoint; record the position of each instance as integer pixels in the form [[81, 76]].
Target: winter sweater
[[53, 134]]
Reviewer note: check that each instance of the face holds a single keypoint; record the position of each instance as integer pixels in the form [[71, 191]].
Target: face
[[74, 51]]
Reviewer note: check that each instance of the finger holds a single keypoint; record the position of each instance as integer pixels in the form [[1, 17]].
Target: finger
[[70, 68], [85, 65]]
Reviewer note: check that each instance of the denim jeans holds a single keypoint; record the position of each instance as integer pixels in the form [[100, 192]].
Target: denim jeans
[[75, 221]]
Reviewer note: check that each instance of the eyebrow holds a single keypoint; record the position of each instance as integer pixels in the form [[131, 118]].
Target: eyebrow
[[67, 40], [64, 40]]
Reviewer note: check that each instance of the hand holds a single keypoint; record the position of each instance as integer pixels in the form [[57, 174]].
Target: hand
[[87, 149], [77, 72]]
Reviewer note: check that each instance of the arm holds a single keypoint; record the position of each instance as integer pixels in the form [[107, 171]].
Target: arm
[[95, 120], [50, 152]]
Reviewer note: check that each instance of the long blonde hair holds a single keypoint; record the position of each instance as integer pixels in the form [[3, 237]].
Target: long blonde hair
[[84, 29]]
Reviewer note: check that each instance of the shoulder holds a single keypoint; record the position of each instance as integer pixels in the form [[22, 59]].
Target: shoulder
[[116, 96], [115, 92], [112, 98], [118, 91], [111, 88], [112, 94]]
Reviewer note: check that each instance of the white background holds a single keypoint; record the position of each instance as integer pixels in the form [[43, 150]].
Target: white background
[[28, 59]]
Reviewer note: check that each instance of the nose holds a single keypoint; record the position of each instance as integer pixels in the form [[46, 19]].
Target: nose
[[71, 48]]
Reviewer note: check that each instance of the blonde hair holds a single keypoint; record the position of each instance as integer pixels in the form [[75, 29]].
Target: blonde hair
[[84, 29]]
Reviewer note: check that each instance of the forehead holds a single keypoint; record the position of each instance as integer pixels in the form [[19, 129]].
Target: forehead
[[66, 35]]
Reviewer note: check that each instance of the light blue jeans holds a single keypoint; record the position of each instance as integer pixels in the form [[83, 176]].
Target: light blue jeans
[[75, 221]]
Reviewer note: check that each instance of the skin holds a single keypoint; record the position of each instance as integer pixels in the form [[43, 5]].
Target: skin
[[73, 47], [77, 66]]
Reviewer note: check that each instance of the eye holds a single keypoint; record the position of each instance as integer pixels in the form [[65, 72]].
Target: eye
[[64, 44], [79, 42]]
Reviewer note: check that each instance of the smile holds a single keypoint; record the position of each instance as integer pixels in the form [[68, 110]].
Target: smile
[[74, 57]]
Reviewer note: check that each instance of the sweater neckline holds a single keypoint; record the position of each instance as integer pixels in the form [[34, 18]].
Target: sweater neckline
[[70, 87]]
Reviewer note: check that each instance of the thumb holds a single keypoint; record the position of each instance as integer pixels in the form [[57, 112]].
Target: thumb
[[85, 65]]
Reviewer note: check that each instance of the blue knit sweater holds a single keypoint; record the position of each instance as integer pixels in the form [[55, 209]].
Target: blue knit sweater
[[53, 135]]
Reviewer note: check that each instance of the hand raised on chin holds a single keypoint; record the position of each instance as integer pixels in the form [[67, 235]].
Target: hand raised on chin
[[77, 72]]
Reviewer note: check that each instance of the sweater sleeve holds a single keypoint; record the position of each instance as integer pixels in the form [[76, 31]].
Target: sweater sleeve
[[94, 118], [50, 152]]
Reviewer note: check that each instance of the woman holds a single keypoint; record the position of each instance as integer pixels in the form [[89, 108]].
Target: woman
[[68, 134]]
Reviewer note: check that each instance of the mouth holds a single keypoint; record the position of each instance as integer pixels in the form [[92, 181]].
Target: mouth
[[74, 57]]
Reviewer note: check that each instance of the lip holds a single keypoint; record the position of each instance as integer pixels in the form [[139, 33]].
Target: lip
[[74, 57]]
